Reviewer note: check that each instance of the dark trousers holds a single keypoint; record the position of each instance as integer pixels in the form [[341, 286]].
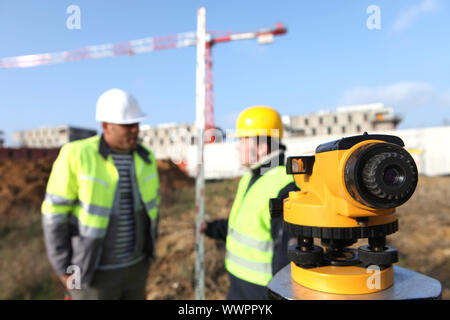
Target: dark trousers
[[244, 290], [120, 284]]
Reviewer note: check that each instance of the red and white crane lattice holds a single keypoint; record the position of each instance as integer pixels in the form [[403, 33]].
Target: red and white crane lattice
[[150, 44]]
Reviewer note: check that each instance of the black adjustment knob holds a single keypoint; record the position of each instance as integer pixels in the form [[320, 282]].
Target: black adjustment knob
[[369, 257], [312, 256], [276, 208]]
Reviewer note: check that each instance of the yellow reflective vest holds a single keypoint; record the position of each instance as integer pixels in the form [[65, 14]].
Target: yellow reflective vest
[[249, 243], [80, 196]]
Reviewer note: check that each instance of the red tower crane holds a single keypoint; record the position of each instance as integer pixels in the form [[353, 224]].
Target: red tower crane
[[150, 44]]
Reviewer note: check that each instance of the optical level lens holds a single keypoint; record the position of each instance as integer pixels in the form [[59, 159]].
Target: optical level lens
[[393, 176], [381, 175]]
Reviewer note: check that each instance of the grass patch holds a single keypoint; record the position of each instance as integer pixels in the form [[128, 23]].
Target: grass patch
[[177, 202], [25, 272]]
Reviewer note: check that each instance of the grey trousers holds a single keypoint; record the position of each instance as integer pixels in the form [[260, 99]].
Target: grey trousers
[[120, 284]]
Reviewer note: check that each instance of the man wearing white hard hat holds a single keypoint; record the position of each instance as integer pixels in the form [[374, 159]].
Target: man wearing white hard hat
[[100, 213]]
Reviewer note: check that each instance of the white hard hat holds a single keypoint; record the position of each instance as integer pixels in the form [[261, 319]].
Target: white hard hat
[[117, 106]]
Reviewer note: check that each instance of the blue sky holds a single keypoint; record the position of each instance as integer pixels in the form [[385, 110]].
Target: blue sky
[[328, 58]]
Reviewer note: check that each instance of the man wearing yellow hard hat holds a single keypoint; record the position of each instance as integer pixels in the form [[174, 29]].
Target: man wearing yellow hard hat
[[256, 245]]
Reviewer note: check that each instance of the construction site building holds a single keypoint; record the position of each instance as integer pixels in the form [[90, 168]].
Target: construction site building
[[343, 121], [170, 140], [53, 137], [424, 144], [167, 140]]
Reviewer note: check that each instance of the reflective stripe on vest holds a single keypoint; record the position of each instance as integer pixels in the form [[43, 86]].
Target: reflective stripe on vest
[[261, 267], [58, 200], [82, 183], [265, 246], [249, 242]]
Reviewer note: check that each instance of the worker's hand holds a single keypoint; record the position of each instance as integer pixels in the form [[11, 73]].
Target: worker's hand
[[203, 227], [63, 279]]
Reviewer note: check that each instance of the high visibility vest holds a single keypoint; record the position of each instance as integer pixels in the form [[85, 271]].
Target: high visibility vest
[[83, 184], [249, 243]]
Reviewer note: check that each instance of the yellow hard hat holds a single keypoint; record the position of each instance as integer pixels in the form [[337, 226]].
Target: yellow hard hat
[[259, 121]]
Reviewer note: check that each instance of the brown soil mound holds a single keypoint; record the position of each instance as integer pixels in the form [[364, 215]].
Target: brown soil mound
[[171, 177], [23, 183]]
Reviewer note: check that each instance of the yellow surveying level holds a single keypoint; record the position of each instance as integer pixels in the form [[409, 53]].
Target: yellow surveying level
[[349, 190]]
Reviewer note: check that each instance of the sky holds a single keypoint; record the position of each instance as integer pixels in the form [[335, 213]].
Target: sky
[[335, 53]]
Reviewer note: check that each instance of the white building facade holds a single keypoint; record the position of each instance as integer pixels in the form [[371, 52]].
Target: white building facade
[[343, 121]]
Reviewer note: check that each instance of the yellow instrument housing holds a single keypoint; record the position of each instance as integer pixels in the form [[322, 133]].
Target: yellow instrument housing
[[324, 200]]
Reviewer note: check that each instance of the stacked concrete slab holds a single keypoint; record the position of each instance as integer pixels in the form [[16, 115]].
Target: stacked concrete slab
[[169, 140], [344, 120], [52, 137]]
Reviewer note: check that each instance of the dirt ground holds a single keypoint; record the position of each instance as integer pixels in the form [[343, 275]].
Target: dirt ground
[[423, 239], [172, 274]]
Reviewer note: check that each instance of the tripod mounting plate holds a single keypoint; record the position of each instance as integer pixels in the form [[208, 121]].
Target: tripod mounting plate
[[407, 285]]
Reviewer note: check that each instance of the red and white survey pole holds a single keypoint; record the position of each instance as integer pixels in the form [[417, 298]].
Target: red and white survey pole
[[200, 106]]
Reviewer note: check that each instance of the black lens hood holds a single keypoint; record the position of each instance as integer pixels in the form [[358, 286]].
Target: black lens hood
[[364, 175]]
